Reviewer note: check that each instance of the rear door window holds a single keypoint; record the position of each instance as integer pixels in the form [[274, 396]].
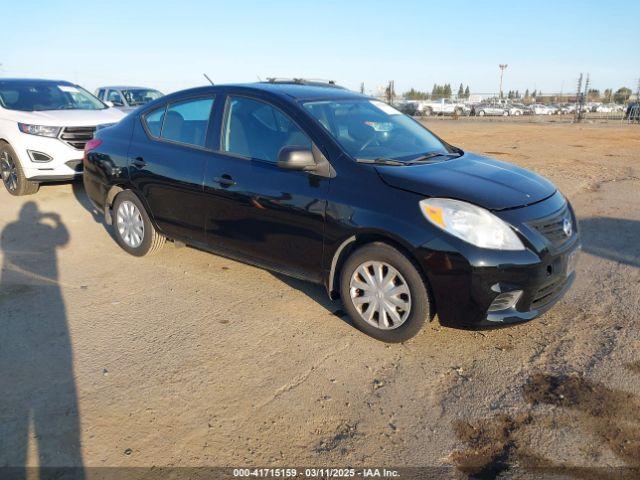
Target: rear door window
[[153, 121], [187, 121]]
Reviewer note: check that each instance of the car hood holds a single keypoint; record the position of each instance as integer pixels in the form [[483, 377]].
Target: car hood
[[71, 118], [479, 180]]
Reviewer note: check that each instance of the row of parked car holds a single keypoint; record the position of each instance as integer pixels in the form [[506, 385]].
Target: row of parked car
[[310, 180], [45, 125], [499, 108]]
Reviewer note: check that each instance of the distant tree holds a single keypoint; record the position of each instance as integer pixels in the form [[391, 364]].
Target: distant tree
[[526, 93], [414, 94], [517, 94], [447, 91], [467, 92], [460, 91], [390, 92], [593, 94], [606, 96], [622, 95]]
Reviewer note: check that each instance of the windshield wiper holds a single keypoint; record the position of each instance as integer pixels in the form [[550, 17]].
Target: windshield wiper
[[430, 155], [380, 161]]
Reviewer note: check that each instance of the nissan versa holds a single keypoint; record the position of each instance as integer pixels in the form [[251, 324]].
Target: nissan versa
[[334, 187]]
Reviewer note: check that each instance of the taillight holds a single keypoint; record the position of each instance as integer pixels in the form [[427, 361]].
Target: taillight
[[90, 145]]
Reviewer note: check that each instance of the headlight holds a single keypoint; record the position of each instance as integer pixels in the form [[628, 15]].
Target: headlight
[[470, 223], [42, 130]]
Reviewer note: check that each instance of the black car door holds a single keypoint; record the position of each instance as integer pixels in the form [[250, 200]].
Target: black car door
[[167, 160], [255, 209]]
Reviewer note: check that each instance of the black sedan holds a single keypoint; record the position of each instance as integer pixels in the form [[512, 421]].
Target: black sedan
[[334, 187]]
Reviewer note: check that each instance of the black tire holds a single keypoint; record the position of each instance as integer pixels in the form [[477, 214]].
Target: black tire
[[420, 310], [152, 240], [12, 174]]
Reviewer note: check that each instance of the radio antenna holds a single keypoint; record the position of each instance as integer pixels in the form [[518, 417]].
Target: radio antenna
[[207, 77]]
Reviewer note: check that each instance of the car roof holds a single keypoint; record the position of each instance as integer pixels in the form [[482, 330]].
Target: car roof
[[286, 91], [123, 87], [34, 80]]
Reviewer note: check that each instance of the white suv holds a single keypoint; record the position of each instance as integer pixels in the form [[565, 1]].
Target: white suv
[[44, 125]]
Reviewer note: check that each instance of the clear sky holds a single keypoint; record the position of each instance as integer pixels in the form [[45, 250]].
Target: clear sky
[[169, 44]]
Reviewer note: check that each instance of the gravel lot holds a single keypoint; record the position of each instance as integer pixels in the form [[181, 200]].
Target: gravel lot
[[189, 359]]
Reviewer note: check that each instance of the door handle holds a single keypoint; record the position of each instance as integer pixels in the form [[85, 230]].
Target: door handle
[[224, 181], [138, 162]]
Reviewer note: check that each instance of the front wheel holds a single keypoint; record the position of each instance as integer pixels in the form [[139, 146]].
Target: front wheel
[[384, 293], [133, 228], [12, 174]]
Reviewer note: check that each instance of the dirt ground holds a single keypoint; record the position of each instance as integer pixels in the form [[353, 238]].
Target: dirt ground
[[189, 359]]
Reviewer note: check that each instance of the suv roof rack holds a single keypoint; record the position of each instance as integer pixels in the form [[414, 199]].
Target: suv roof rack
[[304, 81]]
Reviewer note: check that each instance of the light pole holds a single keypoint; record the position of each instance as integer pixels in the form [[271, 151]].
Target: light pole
[[502, 68]]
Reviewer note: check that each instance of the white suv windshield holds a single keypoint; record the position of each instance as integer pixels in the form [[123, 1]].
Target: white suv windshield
[[369, 129], [38, 96]]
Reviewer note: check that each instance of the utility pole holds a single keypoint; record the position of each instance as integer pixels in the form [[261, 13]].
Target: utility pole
[[579, 101], [362, 88], [502, 66]]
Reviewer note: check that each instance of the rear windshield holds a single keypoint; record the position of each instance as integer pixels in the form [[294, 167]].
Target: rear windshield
[[39, 96]]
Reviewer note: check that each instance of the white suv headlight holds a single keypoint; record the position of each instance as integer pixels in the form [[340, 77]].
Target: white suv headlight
[[470, 223], [41, 130]]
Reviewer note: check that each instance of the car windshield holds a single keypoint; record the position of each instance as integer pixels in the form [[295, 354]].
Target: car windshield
[[140, 96], [369, 129], [38, 96]]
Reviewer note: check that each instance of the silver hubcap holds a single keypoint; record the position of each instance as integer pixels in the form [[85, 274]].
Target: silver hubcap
[[9, 171], [380, 294], [130, 224]]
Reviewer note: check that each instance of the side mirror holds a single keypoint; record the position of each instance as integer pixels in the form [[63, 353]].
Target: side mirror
[[108, 104], [293, 157]]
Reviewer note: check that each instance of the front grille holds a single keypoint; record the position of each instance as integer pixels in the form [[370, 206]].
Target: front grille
[[552, 227], [548, 293], [77, 137]]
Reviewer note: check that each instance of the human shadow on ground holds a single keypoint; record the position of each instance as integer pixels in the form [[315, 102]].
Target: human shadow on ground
[[37, 386]]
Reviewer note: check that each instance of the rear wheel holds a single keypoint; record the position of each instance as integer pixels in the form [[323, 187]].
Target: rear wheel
[[12, 174], [384, 293], [133, 228]]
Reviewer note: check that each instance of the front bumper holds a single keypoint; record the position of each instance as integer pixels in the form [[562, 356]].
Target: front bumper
[[466, 280], [65, 163]]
